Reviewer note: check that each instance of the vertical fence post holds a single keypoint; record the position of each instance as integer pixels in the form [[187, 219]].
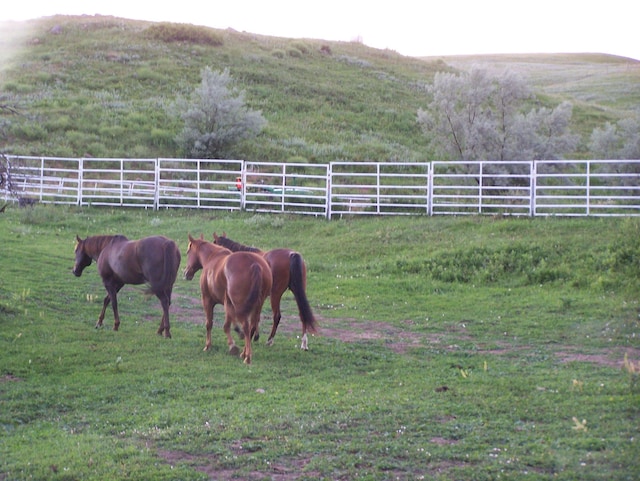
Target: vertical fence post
[[329, 205], [41, 179], [378, 188], [283, 186], [480, 186], [588, 187], [243, 184], [430, 191], [533, 182], [80, 180], [121, 182], [156, 183]]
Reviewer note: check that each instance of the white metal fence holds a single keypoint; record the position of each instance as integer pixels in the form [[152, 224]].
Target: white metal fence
[[532, 188]]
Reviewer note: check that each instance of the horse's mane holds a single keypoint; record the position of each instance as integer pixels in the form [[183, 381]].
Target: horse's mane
[[234, 246], [95, 244]]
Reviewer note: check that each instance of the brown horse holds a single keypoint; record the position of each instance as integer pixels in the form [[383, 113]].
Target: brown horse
[[152, 260], [241, 281], [289, 272]]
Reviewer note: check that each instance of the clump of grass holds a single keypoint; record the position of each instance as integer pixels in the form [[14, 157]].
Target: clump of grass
[[301, 47], [484, 264], [633, 369], [178, 32], [265, 220]]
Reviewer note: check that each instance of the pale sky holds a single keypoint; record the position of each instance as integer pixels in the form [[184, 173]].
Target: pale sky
[[410, 27]]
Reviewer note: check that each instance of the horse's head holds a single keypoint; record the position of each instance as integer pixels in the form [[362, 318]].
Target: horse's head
[[193, 257], [82, 258], [219, 239]]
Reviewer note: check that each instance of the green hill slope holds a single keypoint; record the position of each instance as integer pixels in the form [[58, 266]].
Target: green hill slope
[[103, 86]]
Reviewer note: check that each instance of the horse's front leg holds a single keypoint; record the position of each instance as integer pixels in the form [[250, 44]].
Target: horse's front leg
[[105, 304], [112, 290], [116, 315], [277, 315], [208, 306]]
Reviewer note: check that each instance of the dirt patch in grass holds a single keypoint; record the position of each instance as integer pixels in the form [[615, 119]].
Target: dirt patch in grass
[[398, 339], [611, 357], [288, 469]]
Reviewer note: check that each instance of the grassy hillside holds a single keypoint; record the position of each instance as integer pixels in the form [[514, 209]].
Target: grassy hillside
[[101, 86], [449, 348]]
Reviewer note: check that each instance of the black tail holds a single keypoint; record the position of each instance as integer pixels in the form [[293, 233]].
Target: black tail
[[296, 284]]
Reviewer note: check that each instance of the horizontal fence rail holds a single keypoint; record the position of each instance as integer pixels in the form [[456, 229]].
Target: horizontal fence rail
[[526, 188]]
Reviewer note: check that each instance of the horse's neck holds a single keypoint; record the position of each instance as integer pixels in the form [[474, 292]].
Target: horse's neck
[[96, 244], [208, 252], [236, 246]]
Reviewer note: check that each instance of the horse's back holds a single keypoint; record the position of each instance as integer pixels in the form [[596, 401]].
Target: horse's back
[[154, 260], [249, 281], [280, 263], [238, 269], [159, 259], [239, 262]]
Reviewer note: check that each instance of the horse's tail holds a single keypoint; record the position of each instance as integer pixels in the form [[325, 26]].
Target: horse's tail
[[255, 295], [296, 284], [171, 265]]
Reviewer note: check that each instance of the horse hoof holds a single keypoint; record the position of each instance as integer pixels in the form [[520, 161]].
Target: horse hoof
[[270, 342], [206, 348], [234, 351]]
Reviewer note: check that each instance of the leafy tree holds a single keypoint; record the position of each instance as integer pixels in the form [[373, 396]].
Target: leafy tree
[[475, 116], [543, 134], [619, 141], [215, 117]]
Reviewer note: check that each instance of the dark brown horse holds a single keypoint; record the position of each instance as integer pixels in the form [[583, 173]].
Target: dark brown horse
[[241, 281], [152, 260], [289, 272]]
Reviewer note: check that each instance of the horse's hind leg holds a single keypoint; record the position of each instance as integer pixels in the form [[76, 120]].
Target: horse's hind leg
[[113, 295], [164, 323], [229, 315], [277, 315], [116, 315]]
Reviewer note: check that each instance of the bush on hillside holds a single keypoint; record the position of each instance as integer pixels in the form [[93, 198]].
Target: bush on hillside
[[178, 32], [215, 117]]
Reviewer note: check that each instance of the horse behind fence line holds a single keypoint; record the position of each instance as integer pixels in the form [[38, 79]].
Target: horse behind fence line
[[152, 260], [289, 272], [241, 281]]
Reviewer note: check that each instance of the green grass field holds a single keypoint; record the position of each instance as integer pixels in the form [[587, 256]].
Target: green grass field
[[449, 348]]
